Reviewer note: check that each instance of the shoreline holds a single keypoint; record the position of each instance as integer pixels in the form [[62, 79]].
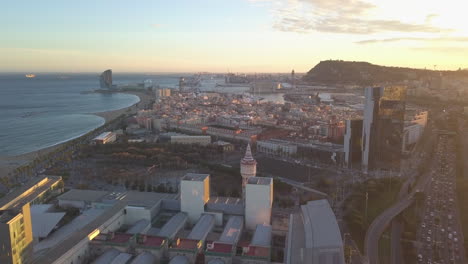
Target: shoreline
[[9, 163]]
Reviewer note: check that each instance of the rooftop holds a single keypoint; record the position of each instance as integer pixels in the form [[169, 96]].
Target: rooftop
[[255, 251], [173, 225], [145, 199], [179, 260], [218, 247], [233, 230], [195, 177], [103, 136], [259, 180], [56, 252], [107, 257], [43, 222], [28, 192], [119, 238], [202, 228], [151, 241], [122, 258], [185, 243], [320, 225], [83, 195], [139, 226], [144, 258], [262, 236]]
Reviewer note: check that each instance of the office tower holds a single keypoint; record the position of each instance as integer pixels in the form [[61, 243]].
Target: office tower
[[106, 79], [382, 130], [248, 168], [352, 142], [15, 235], [293, 79], [194, 193], [258, 201]]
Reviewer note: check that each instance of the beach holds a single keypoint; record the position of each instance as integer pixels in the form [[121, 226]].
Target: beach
[[10, 163], [111, 115]]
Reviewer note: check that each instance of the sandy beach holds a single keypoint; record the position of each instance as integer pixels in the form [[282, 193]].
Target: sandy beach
[[9, 163], [111, 115]]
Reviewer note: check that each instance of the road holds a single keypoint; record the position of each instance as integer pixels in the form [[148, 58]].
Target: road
[[378, 226], [440, 236]]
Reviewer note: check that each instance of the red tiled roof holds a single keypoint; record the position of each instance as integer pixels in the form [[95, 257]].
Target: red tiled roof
[[185, 243], [153, 241], [221, 248], [120, 238], [257, 251]]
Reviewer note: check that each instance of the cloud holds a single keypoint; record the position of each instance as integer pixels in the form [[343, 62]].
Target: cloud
[[341, 16], [156, 25], [439, 39], [443, 49]]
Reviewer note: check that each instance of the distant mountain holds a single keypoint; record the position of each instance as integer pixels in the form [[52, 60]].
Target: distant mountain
[[364, 73]]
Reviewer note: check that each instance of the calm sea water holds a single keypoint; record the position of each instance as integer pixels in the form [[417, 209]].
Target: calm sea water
[[39, 112]]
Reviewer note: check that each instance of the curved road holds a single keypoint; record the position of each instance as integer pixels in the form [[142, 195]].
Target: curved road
[[378, 226]]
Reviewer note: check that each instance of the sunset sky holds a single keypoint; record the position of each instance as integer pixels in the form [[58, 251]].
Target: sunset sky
[[229, 35]]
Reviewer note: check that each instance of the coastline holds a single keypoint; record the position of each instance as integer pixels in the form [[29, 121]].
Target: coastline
[[112, 114], [9, 163]]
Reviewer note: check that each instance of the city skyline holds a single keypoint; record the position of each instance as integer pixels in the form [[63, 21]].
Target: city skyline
[[235, 36]]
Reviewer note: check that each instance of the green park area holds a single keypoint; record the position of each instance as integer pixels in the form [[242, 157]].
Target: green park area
[[381, 194]]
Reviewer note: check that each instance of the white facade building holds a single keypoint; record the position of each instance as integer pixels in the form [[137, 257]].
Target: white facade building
[[202, 140], [258, 201], [194, 194], [105, 138], [277, 147]]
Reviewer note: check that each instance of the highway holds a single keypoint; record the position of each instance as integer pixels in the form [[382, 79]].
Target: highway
[[378, 226]]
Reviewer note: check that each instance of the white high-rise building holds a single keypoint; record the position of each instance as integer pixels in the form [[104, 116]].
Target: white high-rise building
[[248, 168], [194, 194], [258, 201]]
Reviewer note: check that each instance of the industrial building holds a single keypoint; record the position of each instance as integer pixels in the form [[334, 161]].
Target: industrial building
[[314, 236]]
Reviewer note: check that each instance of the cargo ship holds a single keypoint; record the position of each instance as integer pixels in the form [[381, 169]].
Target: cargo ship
[[30, 75]]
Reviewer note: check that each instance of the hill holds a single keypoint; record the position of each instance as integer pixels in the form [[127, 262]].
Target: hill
[[364, 73]]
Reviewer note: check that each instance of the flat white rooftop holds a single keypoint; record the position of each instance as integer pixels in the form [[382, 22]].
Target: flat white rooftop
[[103, 136], [259, 180], [195, 177], [83, 195]]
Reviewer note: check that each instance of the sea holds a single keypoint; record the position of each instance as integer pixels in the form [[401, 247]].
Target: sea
[[49, 109]]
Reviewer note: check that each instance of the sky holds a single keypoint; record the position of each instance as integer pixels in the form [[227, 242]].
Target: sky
[[229, 35]]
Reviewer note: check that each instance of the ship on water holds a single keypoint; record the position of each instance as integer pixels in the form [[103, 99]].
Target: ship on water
[[30, 75]]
